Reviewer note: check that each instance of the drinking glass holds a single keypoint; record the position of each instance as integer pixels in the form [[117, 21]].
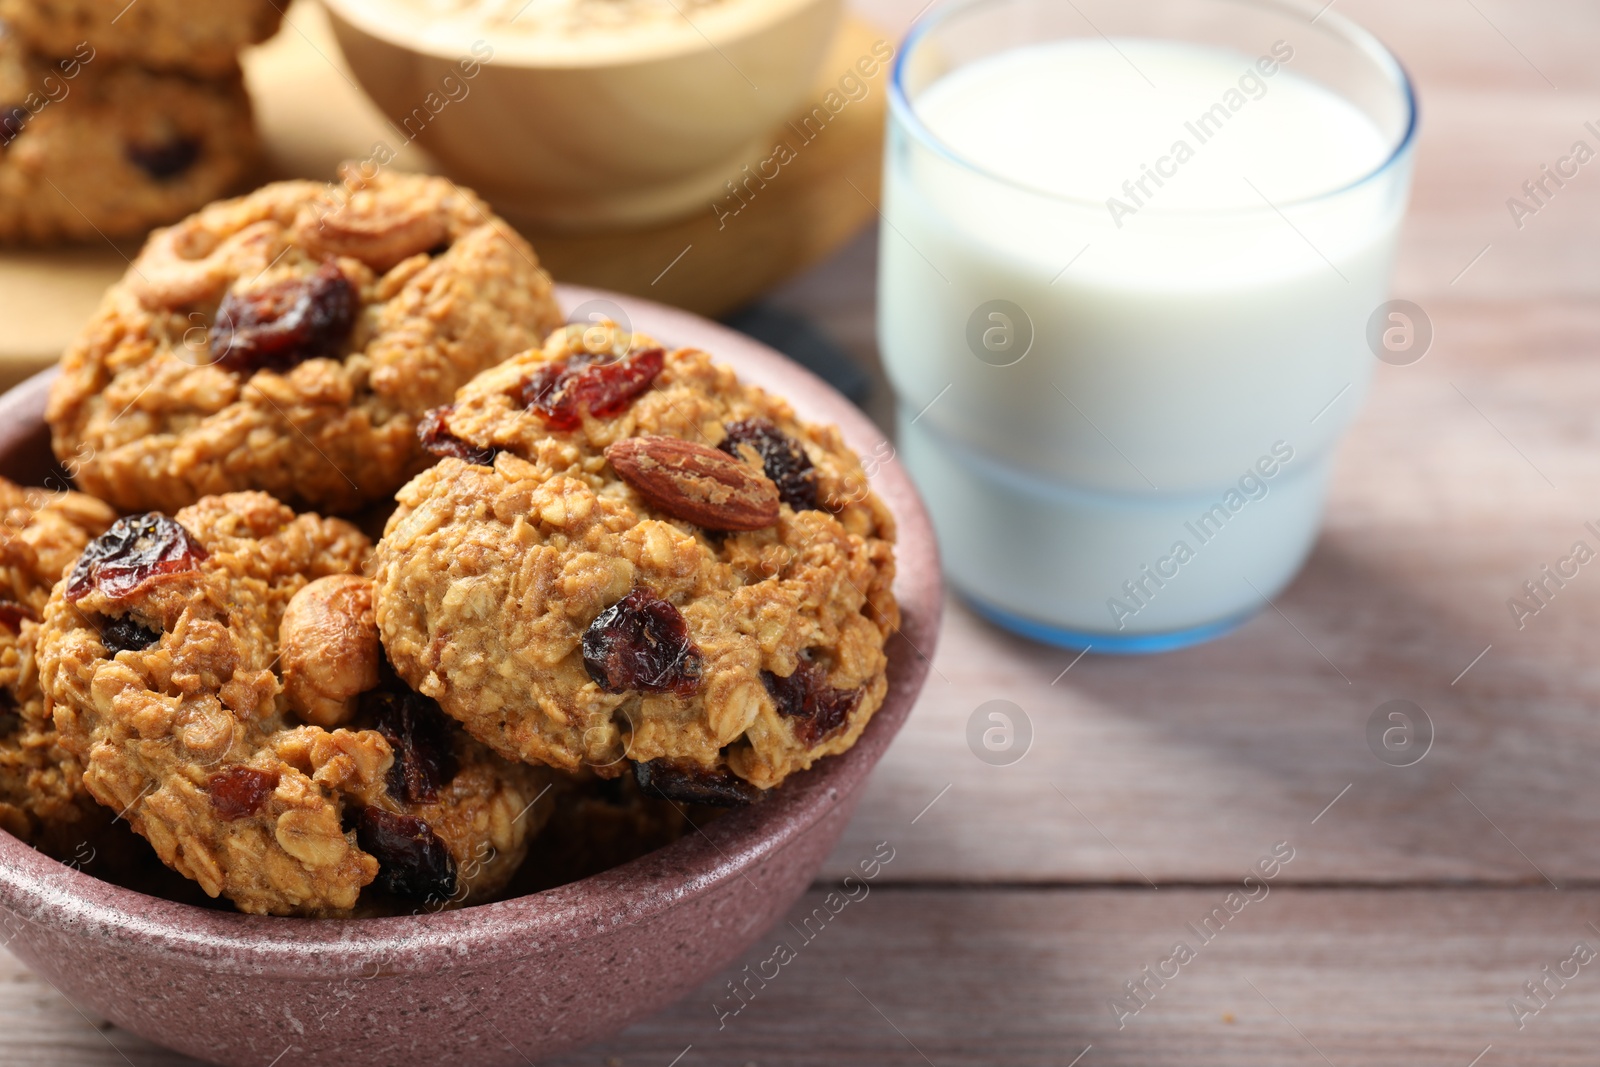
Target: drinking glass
[[1122, 407]]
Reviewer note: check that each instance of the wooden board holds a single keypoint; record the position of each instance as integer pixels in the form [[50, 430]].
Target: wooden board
[[313, 116]]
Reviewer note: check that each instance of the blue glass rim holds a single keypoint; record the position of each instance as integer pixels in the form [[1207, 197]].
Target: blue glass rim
[[1104, 643], [902, 111]]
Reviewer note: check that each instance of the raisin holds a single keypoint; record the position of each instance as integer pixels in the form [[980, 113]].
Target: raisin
[[286, 323], [782, 459], [690, 783], [560, 392], [165, 160], [421, 737], [136, 550], [126, 635], [816, 708], [12, 121], [436, 438], [12, 613], [642, 642], [240, 791], [10, 721], [412, 861]]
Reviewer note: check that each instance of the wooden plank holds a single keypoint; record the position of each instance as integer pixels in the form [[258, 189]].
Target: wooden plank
[[1026, 977]]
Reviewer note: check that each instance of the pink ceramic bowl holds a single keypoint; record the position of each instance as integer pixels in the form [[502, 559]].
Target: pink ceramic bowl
[[504, 983]]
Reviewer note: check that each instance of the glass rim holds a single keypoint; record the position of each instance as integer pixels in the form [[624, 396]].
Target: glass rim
[[904, 111]]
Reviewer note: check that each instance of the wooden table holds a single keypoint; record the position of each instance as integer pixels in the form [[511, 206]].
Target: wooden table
[[1419, 899]]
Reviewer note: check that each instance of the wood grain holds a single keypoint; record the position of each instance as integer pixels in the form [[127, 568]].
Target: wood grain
[[1417, 904]]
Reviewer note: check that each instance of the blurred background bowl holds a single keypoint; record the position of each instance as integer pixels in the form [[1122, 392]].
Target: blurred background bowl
[[601, 131]]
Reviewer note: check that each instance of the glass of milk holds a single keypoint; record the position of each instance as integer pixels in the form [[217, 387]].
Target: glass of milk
[[1129, 255]]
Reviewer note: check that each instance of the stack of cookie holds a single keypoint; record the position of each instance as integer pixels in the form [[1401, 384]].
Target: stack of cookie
[[613, 580], [118, 117]]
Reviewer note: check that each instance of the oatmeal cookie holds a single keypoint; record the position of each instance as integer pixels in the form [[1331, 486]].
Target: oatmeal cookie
[[629, 557], [198, 38], [450, 820], [290, 339], [42, 799], [91, 149], [158, 657]]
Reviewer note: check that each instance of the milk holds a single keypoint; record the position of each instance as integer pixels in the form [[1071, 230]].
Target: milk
[[1119, 298]]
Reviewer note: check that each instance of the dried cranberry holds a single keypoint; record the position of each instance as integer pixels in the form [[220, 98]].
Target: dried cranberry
[[240, 791], [286, 323], [412, 861], [135, 551], [12, 613], [642, 642], [127, 635], [816, 708], [12, 121], [782, 459], [167, 159], [690, 783], [561, 391], [421, 737], [436, 438]]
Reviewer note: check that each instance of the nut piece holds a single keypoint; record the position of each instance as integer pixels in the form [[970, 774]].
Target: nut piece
[[695, 483], [328, 643], [379, 232]]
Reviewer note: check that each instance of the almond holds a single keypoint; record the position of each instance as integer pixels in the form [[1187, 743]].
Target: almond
[[695, 483]]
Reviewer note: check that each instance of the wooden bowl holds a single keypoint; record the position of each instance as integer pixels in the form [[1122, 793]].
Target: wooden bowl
[[613, 131], [502, 983]]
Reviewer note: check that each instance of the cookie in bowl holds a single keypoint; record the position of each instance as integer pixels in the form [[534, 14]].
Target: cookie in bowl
[[90, 148], [158, 658], [289, 341], [164, 34], [629, 561], [42, 799]]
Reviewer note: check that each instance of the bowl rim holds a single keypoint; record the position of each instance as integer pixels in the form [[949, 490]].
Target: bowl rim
[[725, 26], [43, 891]]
